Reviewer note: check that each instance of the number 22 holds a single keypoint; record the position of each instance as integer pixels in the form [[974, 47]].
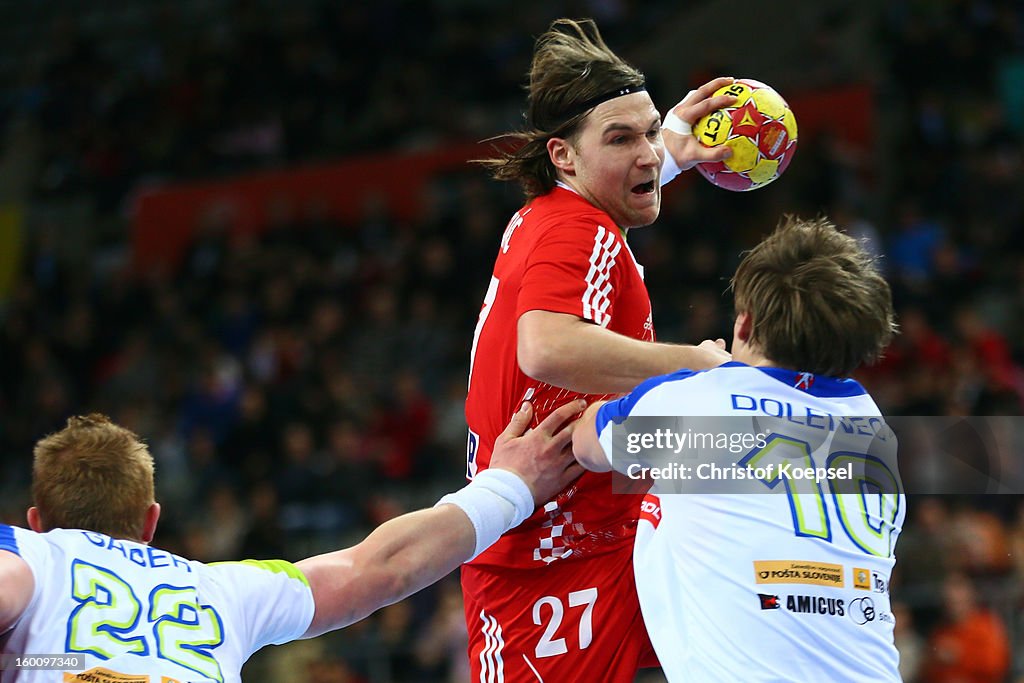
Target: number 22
[[108, 610]]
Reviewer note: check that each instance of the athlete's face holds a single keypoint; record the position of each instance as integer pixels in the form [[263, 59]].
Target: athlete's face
[[615, 159]]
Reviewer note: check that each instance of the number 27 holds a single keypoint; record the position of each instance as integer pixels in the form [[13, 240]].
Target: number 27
[[549, 646]]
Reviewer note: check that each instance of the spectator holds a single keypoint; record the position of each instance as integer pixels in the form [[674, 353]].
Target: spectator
[[971, 646]]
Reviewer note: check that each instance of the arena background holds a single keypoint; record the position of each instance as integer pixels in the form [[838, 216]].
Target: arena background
[[246, 230]]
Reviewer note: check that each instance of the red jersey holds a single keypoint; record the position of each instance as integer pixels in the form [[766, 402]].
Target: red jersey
[[560, 254]]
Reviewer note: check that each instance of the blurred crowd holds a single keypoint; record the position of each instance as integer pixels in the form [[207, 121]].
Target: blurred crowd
[[299, 387]]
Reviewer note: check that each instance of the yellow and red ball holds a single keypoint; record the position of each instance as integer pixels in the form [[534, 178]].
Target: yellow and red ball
[[759, 128]]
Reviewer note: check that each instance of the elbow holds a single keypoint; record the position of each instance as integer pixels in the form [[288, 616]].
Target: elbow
[[540, 341], [591, 461], [580, 450], [586, 447], [537, 359]]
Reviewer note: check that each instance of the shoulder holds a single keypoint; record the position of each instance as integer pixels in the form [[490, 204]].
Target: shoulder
[[245, 574], [249, 587], [568, 229], [681, 392], [19, 542], [8, 540], [272, 598], [32, 547], [648, 391], [566, 210]]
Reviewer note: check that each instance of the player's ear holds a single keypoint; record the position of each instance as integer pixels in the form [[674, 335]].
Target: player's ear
[[149, 525], [562, 155], [35, 521], [743, 326]]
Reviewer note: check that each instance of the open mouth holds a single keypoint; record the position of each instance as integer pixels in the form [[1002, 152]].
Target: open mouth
[[644, 188]]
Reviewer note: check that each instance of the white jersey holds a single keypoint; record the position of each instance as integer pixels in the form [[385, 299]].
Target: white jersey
[[143, 615], [778, 582]]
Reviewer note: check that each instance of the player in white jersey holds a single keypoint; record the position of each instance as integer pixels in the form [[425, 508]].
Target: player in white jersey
[[84, 581], [751, 572]]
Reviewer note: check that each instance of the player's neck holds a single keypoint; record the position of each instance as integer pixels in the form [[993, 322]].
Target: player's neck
[[565, 185], [751, 355]]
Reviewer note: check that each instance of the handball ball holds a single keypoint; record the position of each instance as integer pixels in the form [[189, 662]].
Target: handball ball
[[761, 131]]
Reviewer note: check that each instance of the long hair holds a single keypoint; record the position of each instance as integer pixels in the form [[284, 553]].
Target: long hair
[[571, 66]]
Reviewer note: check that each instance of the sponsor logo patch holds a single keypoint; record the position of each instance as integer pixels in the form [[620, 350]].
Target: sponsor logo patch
[[101, 675], [815, 604], [798, 572], [650, 510], [804, 604], [868, 580], [862, 611]]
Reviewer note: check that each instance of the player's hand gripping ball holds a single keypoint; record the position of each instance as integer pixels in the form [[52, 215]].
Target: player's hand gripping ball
[[761, 131]]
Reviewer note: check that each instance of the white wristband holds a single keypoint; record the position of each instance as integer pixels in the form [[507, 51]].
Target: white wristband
[[495, 501], [670, 169], [676, 124]]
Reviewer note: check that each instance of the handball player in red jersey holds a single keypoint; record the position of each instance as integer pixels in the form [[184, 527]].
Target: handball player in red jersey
[[567, 315]]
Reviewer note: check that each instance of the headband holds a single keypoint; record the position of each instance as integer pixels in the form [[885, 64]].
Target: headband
[[610, 95]]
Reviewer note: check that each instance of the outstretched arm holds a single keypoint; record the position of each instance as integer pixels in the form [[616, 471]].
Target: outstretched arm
[[413, 551], [399, 558], [18, 584]]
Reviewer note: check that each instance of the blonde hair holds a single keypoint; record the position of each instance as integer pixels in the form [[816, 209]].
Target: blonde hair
[[816, 298], [571, 67], [95, 475]]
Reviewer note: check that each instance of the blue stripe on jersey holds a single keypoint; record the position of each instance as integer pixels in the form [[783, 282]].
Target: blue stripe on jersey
[[7, 540], [822, 386], [619, 409]]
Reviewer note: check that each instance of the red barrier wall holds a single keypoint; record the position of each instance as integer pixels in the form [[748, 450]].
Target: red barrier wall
[[165, 218]]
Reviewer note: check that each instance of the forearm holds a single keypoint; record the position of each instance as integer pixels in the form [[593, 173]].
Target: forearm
[[399, 558], [413, 551], [574, 354]]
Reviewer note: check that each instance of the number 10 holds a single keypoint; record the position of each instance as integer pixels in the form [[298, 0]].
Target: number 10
[[856, 511]]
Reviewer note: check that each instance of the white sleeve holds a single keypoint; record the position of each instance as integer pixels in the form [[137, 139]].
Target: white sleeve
[[669, 169], [272, 599]]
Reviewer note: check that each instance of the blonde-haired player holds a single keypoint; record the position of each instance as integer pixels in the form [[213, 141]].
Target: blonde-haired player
[[83, 580]]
